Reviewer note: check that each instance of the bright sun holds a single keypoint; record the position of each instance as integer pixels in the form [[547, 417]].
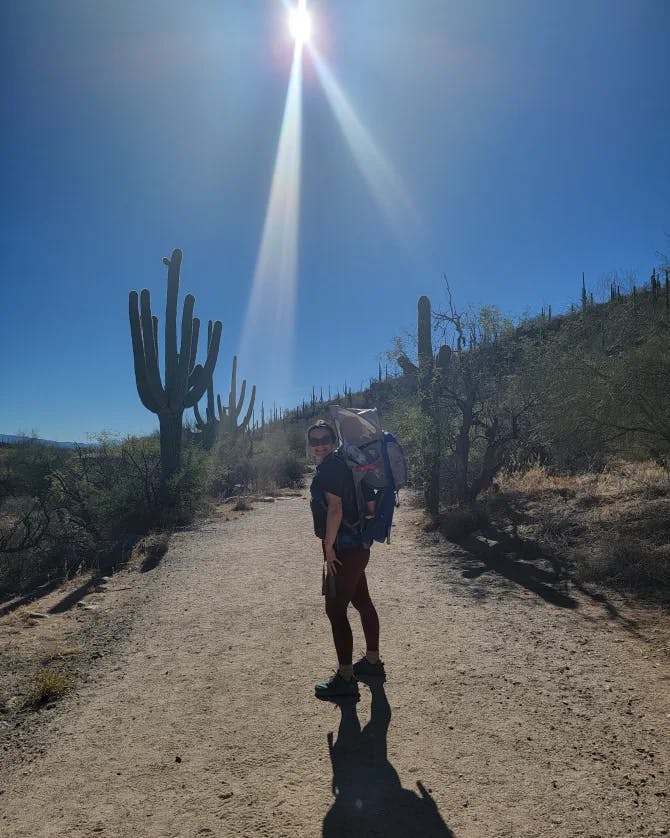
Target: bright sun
[[300, 23]]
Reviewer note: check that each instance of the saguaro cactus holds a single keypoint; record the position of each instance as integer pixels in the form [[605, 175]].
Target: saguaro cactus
[[223, 418], [185, 382], [235, 404], [430, 380], [431, 377], [425, 351]]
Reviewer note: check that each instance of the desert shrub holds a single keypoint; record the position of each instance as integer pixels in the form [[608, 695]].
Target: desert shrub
[[629, 563], [295, 440], [537, 481], [242, 505], [36, 541], [116, 489], [403, 418], [458, 522], [26, 468], [278, 469], [153, 546], [48, 685], [91, 503], [185, 495], [264, 461], [613, 527], [603, 383], [278, 458], [230, 467]]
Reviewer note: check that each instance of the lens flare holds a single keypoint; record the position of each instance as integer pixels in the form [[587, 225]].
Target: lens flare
[[267, 340], [300, 23], [267, 337], [386, 186]]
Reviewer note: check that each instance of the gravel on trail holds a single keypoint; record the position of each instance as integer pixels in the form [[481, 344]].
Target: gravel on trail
[[510, 709]]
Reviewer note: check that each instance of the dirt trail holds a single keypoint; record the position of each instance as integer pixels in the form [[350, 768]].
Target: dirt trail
[[515, 712]]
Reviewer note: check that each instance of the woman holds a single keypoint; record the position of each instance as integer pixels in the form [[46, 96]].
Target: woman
[[336, 522]]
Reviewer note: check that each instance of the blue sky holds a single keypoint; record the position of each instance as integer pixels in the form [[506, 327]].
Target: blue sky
[[533, 138]]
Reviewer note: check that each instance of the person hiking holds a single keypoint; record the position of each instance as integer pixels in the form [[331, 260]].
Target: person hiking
[[336, 519]]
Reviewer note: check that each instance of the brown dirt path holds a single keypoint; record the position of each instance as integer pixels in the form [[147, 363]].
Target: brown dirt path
[[514, 712]]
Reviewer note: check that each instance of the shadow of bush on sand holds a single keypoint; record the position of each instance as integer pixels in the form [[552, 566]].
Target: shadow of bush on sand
[[525, 563], [519, 561], [369, 798]]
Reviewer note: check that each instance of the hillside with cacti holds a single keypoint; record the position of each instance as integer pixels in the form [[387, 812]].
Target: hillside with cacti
[[477, 400]]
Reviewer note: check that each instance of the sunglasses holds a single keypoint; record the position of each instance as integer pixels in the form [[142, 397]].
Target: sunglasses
[[315, 441]]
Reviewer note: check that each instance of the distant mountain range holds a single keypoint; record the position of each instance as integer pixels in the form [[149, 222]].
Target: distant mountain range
[[8, 439]]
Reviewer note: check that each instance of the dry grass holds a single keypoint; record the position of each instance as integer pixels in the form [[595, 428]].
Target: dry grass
[[242, 505], [613, 526], [536, 483], [647, 479], [152, 547], [48, 685], [458, 522]]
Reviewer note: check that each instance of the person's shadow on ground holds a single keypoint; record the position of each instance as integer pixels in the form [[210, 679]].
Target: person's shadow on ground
[[369, 799]]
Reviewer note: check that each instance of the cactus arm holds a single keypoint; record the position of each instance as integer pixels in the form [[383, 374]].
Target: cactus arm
[[210, 384], [250, 409], [232, 395], [153, 373], [155, 323], [199, 422], [407, 366], [195, 377], [210, 400], [213, 350], [194, 344], [222, 410], [180, 387], [171, 359], [197, 386], [139, 360], [243, 391], [443, 357], [424, 334], [201, 375]]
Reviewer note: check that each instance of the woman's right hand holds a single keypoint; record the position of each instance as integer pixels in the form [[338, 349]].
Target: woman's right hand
[[331, 560]]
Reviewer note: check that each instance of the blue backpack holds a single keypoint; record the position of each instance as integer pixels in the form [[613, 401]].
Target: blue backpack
[[375, 458]]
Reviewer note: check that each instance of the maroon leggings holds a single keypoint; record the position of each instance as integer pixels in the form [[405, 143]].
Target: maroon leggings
[[351, 586]]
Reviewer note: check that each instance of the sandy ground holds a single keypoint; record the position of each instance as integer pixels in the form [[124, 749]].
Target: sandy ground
[[510, 709]]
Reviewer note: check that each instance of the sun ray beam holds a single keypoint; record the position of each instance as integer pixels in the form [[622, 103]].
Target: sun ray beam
[[385, 184], [267, 337]]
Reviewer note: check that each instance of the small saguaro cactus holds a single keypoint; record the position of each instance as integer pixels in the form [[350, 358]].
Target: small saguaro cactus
[[185, 381], [230, 418], [425, 351], [222, 418], [431, 376]]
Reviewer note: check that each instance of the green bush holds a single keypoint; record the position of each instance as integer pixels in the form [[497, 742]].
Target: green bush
[[230, 468], [26, 468], [278, 469], [87, 504]]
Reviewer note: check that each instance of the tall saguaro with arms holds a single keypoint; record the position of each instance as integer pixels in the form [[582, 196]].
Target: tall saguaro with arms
[[185, 381]]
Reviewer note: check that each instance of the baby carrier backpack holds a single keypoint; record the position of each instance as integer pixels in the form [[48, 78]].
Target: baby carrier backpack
[[375, 458]]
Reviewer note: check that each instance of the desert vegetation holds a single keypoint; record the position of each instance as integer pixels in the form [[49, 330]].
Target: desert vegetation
[[555, 428]]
